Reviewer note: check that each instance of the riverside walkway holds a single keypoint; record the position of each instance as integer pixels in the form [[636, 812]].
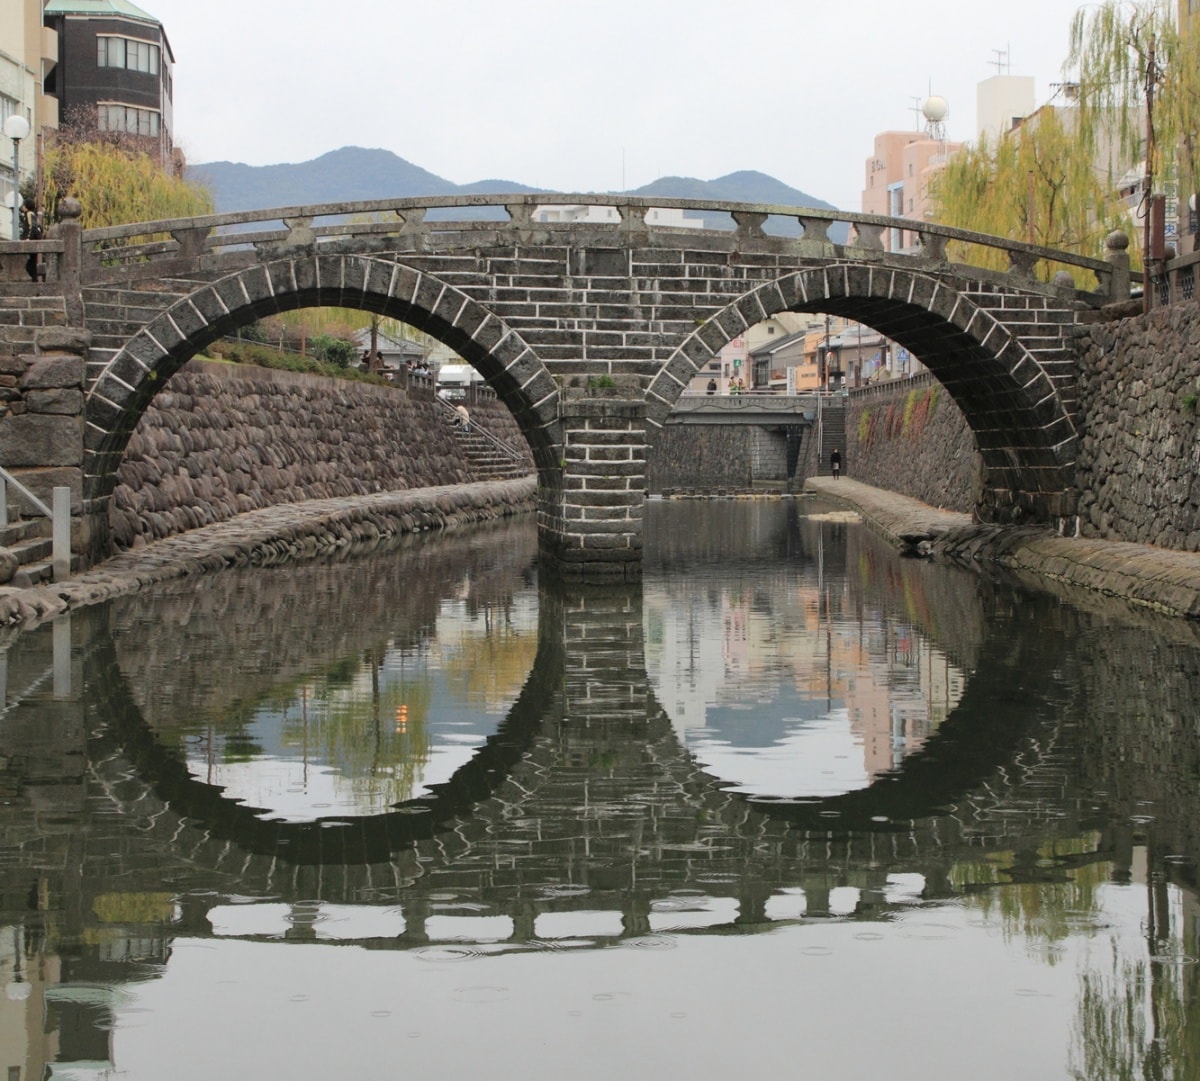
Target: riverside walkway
[[1159, 578], [1156, 578]]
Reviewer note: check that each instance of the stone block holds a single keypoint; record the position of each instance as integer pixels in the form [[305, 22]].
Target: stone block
[[63, 339], [39, 440], [55, 371], [42, 483], [65, 401]]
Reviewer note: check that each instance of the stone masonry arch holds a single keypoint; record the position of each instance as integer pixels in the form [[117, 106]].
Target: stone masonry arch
[[121, 392], [589, 327], [1025, 434]]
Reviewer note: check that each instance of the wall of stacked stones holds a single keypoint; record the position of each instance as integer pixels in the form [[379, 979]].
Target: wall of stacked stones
[[714, 458], [220, 440], [908, 436], [703, 458], [1139, 451]]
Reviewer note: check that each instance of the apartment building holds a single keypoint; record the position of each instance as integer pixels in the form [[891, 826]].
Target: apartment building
[[114, 70], [28, 55]]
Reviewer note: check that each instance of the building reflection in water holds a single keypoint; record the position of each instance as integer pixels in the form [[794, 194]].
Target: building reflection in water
[[787, 729]]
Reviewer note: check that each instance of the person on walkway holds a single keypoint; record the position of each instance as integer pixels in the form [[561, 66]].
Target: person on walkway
[[31, 229], [464, 418], [835, 462], [712, 386]]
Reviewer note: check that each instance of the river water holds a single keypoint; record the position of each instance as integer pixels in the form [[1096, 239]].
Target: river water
[[794, 807]]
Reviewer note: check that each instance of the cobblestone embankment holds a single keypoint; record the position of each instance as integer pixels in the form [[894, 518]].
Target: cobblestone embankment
[[272, 535], [1159, 578]]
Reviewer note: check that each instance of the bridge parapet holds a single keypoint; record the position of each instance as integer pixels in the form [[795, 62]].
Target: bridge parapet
[[179, 245]]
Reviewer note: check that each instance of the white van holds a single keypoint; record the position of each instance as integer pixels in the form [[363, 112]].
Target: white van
[[454, 379]]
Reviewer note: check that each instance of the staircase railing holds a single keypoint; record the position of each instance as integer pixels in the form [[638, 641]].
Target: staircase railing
[[495, 440], [59, 514]]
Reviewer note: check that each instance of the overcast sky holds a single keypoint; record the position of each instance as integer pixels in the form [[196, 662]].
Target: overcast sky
[[593, 96]]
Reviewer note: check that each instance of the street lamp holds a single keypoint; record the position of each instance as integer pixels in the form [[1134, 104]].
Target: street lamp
[[16, 127]]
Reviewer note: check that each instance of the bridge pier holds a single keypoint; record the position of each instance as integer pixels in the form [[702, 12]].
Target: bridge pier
[[590, 515]]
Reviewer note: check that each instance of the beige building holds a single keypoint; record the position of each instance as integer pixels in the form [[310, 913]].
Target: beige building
[[28, 53]]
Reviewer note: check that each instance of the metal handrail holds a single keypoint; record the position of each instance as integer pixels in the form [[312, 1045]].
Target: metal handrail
[[60, 520], [495, 440]]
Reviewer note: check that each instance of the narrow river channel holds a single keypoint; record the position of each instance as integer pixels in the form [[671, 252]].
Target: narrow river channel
[[794, 807]]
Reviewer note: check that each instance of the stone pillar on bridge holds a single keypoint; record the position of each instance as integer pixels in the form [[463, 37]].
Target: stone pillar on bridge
[[590, 525]]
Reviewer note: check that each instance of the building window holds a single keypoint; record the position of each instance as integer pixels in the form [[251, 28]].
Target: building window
[[112, 116], [115, 52]]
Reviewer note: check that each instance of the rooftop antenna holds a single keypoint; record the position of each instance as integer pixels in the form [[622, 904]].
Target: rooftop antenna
[[935, 109], [1003, 62]]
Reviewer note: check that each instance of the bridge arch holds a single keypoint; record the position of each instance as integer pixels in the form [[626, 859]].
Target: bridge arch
[[1024, 432], [125, 387]]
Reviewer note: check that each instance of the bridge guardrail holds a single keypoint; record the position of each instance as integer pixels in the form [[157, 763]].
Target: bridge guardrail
[[1174, 281], [750, 225]]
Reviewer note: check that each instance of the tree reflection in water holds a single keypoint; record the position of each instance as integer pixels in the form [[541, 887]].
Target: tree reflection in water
[[1025, 772]]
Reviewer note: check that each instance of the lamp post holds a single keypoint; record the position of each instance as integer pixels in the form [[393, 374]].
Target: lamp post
[[16, 127]]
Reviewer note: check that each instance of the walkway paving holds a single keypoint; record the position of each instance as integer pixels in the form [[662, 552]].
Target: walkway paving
[[1158, 578]]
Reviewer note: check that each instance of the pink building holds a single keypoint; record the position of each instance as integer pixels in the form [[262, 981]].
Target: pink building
[[898, 175]]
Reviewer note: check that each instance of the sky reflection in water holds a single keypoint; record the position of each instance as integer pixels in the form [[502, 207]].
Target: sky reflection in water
[[602, 899]]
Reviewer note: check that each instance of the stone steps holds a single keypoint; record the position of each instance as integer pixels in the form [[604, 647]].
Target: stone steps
[[31, 544], [488, 462]]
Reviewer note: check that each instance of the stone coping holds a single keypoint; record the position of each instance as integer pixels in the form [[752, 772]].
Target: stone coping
[[289, 531], [1161, 579]]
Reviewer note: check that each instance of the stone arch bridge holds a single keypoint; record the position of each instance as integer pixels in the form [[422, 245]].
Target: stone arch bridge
[[590, 329]]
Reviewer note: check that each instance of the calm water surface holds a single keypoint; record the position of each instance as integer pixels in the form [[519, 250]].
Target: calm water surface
[[795, 807]]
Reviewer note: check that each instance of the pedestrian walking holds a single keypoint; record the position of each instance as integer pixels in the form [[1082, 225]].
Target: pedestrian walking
[[31, 229], [835, 462]]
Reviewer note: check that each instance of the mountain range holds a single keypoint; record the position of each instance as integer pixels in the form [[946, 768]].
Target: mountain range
[[354, 173]]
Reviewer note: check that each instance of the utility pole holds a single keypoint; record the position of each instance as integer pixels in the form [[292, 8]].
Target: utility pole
[[1148, 179]]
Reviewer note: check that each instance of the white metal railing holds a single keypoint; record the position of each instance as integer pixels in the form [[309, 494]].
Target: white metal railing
[[59, 514]]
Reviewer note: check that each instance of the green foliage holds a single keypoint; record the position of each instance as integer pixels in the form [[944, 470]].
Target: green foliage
[[115, 185], [1056, 180], [1037, 184], [1189, 402], [1129, 53], [263, 356], [335, 351], [600, 382], [864, 426]]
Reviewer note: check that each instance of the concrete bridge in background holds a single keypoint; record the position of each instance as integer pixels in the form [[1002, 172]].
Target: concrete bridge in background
[[588, 330]]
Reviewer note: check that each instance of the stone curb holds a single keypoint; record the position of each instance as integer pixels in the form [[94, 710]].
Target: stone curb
[[273, 535], [1162, 579]]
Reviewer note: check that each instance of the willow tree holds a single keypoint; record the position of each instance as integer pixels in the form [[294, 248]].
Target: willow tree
[[1139, 88], [116, 185], [1062, 177], [1038, 183]]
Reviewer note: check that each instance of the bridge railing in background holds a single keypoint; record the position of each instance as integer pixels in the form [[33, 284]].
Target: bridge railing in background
[[1175, 281], [404, 224]]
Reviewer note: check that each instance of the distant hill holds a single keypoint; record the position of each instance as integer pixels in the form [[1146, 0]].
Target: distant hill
[[354, 173], [742, 187]]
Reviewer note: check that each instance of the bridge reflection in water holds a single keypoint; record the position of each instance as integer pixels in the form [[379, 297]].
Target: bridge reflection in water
[[784, 727]]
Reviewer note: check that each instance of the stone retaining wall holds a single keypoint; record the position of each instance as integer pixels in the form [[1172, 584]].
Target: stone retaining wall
[[715, 457], [909, 437], [1139, 452], [220, 440]]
